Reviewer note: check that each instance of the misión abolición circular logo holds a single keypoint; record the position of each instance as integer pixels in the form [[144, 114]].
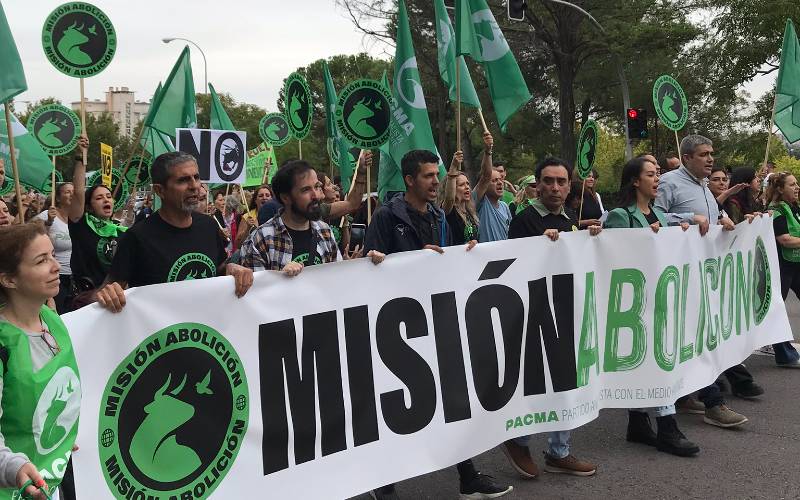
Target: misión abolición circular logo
[[173, 415]]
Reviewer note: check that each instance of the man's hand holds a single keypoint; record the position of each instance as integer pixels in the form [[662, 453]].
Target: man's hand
[[242, 276], [685, 226], [356, 253], [552, 234], [655, 226], [595, 230], [488, 141], [435, 248], [292, 269], [702, 223], [111, 297], [727, 224], [366, 159], [471, 244], [375, 256], [458, 159], [29, 472]]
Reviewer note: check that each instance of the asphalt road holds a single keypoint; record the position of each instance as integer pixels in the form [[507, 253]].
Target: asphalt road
[[759, 460]]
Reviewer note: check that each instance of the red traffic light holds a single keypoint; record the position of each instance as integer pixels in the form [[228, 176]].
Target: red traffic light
[[633, 114]]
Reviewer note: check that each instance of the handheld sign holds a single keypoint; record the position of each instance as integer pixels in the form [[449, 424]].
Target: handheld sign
[[670, 103], [333, 152], [298, 106], [363, 113], [56, 128], [106, 163], [220, 154], [587, 149], [7, 186], [79, 39], [274, 129], [96, 178], [144, 171]]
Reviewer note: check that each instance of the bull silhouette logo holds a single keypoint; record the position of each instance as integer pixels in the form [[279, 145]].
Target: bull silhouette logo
[[57, 410]]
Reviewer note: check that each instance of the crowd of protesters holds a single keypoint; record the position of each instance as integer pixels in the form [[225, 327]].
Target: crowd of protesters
[[77, 251]]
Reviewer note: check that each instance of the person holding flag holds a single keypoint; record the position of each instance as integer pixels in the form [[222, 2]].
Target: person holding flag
[[493, 212]]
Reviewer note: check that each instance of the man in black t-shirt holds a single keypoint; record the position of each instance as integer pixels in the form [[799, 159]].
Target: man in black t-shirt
[[175, 243]]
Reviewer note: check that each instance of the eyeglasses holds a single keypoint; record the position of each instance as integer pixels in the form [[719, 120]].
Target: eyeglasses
[[51, 342]]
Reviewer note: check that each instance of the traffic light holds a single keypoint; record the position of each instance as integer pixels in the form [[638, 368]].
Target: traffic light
[[516, 10], [637, 123]]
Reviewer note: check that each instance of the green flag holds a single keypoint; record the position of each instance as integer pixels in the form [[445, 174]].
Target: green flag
[[787, 102], [410, 125], [174, 105], [33, 163], [339, 146], [12, 78], [219, 118], [447, 60], [154, 142], [479, 36]]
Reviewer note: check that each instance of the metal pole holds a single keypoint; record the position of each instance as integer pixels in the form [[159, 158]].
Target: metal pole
[[205, 62]]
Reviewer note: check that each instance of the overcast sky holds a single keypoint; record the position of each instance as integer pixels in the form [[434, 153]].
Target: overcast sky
[[251, 45]]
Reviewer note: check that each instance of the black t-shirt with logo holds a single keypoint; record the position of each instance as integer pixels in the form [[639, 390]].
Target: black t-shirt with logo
[[154, 251], [530, 223], [91, 253], [304, 250], [462, 232]]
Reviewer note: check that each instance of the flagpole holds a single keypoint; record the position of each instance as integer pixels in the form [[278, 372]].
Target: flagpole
[[369, 193], [53, 183], [769, 130], [130, 156], [266, 170], [580, 210], [678, 144], [483, 120], [458, 106], [244, 200], [14, 169], [300, 148], [83, 120]]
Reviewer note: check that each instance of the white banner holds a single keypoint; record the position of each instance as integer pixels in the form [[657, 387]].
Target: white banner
[[220, 154], [352, 376]]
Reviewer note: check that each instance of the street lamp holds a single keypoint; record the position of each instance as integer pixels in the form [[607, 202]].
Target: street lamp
[[205, 63]]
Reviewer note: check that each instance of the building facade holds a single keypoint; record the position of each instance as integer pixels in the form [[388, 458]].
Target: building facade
[[121, 104]]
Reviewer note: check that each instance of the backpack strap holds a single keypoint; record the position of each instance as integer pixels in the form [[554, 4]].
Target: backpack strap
[[630, 217]]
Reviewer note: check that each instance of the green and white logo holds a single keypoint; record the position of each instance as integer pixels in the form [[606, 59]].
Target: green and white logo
[[173, 415], [79, 39], [56, 128], [106, 248], [144, 171], [298, 106], [587, 149], [192, 266], [762, 282], [274, 129], [57, 410], [123, 192], [333, 152], [363, 113], [493, 44], [670, 102]]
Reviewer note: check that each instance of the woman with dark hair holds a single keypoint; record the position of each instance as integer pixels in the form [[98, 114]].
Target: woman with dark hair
[[592, 205], [249, 221], [782, 195], [638, 189], [56, 220], [93, 232], [36, 356], [745, 201]]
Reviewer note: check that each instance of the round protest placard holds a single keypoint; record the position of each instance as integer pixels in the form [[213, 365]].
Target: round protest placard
[[298, 105], [56, 128], [363, 113], [670, 102], [79, 39], [587, 149], [274, 129]]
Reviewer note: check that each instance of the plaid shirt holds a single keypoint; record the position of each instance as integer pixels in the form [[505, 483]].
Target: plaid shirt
[[269, 248]]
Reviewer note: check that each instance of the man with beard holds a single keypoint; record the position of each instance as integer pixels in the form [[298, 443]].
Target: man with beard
[[175, 243], [295, 237]]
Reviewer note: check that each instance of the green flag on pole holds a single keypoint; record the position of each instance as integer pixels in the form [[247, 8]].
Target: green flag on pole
[[447, 60], [410, 125], [338, 145], [478, 35], [174, 105], [33, 163], [219, 118], [154, 142], [787, 101], [12, 77]]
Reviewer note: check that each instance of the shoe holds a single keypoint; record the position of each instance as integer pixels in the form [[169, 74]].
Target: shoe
[[722, 416], [691, 405], [384, 493], [639, 430], [671, 440], [768, 350], [748, 390], [791, 364], [520, 458], [482, 486], [568, 465]]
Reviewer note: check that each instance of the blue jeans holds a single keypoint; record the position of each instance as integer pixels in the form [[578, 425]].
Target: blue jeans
[[558, 443], [785, 353]]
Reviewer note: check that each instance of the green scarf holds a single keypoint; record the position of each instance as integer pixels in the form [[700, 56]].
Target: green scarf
[[104, 228], [783, 209]]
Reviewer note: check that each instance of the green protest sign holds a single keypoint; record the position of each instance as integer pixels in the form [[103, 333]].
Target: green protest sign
[[333, 152], [56, 128], [256, 160], [587, 148], [363, 113], [144, 172], [670, 103], [96, 178], [7, 186], [298, 106], [274, 129], [79, 39]]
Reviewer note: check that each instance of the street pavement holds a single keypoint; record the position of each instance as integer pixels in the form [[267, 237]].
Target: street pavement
[[758, 460]]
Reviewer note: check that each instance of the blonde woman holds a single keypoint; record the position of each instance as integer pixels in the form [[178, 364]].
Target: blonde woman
[[458, 205]]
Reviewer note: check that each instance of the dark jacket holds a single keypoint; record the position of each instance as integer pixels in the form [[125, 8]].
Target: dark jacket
[[392, 231]]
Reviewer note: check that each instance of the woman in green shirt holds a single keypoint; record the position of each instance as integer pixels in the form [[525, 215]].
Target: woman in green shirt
[[40, 391]]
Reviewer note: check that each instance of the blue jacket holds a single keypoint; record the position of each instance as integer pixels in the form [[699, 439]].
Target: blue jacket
[[391, 230]]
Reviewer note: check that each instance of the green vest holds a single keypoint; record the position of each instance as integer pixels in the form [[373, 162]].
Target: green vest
[[40, 409], [782, 209]]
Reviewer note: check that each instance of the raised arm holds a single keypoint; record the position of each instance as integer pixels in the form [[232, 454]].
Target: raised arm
[[486, 167], [358, 187], [452, 181], [75, 211]]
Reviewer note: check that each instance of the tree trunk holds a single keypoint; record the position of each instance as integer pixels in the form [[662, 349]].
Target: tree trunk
[[566, 111]]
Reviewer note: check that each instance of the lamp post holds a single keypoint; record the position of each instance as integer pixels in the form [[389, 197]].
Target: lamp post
[[205, 63]]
